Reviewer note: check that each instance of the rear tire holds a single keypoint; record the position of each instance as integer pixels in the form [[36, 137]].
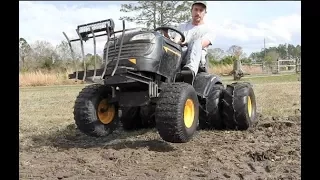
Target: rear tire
[[147, 115], [130, 118], [92, 113], [239, 106], [177, 112], [136, 118], [212, 119]]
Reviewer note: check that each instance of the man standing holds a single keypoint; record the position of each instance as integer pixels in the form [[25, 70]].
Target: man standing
[[198, 37]]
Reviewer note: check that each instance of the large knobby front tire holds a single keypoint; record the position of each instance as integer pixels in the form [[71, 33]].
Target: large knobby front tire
[[93, 115], [177, 112], [239, 106]]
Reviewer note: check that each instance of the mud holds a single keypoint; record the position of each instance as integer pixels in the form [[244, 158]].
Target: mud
[[269, 151]]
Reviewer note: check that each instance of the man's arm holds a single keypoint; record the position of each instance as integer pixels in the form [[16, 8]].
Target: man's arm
[[208, 39]]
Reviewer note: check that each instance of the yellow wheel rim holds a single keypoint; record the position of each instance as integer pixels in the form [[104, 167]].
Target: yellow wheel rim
[[188, 113], [106, 112], [249, 106]]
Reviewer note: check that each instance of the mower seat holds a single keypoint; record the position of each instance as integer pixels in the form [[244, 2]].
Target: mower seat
[[188, 75]]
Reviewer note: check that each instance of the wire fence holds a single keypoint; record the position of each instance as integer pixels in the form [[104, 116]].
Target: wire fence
[[276, 67]]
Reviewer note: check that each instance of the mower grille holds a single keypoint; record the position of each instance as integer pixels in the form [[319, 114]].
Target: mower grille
[[127, 51]]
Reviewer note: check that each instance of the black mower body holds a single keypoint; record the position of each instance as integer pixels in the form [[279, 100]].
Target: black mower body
[[144, 64], [158, 55]]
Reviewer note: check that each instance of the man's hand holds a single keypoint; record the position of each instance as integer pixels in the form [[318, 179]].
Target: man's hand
[[205, 43], [165, 33], [182, 44]]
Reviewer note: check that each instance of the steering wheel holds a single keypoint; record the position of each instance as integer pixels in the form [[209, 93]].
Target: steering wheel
[[166, 28]]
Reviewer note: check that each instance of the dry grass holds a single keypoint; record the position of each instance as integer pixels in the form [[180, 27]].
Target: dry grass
[[226, 69], [40, 78], [278, 99]]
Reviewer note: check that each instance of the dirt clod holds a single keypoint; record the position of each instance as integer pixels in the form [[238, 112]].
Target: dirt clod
[[226, 175]]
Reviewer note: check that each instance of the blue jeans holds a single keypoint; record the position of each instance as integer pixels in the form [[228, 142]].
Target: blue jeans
[[192, 55]]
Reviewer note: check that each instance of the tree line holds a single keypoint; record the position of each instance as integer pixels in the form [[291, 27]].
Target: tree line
[[42, 55], [267, 55]]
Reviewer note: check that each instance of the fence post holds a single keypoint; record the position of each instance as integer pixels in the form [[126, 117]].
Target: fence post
[[278, 66], [296, 62]]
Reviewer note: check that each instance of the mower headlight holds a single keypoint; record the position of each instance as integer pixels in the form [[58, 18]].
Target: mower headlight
[[145, 36]]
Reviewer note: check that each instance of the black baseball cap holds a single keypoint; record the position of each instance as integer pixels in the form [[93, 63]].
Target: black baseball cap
[[204, 3]]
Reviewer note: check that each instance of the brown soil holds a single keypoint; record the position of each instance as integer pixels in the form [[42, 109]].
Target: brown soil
[[269, 151]]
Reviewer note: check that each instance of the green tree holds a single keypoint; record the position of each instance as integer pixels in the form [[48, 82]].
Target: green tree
[[90, 61], [282, 50], [227, 60], [24, 50], [298, 52], [157, 13], [268, 60], [246, 60], [257, 56]]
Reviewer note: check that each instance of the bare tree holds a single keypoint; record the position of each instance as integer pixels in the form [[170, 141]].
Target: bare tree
[[237, 52], [216, 53]]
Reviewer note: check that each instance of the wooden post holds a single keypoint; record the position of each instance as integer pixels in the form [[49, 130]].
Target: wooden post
[[278, 66], [296, 66], [237, 69]]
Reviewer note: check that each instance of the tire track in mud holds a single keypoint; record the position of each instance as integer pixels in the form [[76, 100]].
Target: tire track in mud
[[269, 151]]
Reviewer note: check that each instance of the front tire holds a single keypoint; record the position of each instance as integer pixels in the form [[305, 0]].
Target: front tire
[[93, 115], [177, 112]]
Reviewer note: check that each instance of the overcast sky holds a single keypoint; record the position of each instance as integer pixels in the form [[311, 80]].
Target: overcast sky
[[235, 22]]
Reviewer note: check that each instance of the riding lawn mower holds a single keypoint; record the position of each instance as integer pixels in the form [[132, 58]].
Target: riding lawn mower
[[142, 84]]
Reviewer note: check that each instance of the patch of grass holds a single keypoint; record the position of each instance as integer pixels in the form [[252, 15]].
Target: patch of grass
[[278, 99], [277, 95], [42, 109]]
